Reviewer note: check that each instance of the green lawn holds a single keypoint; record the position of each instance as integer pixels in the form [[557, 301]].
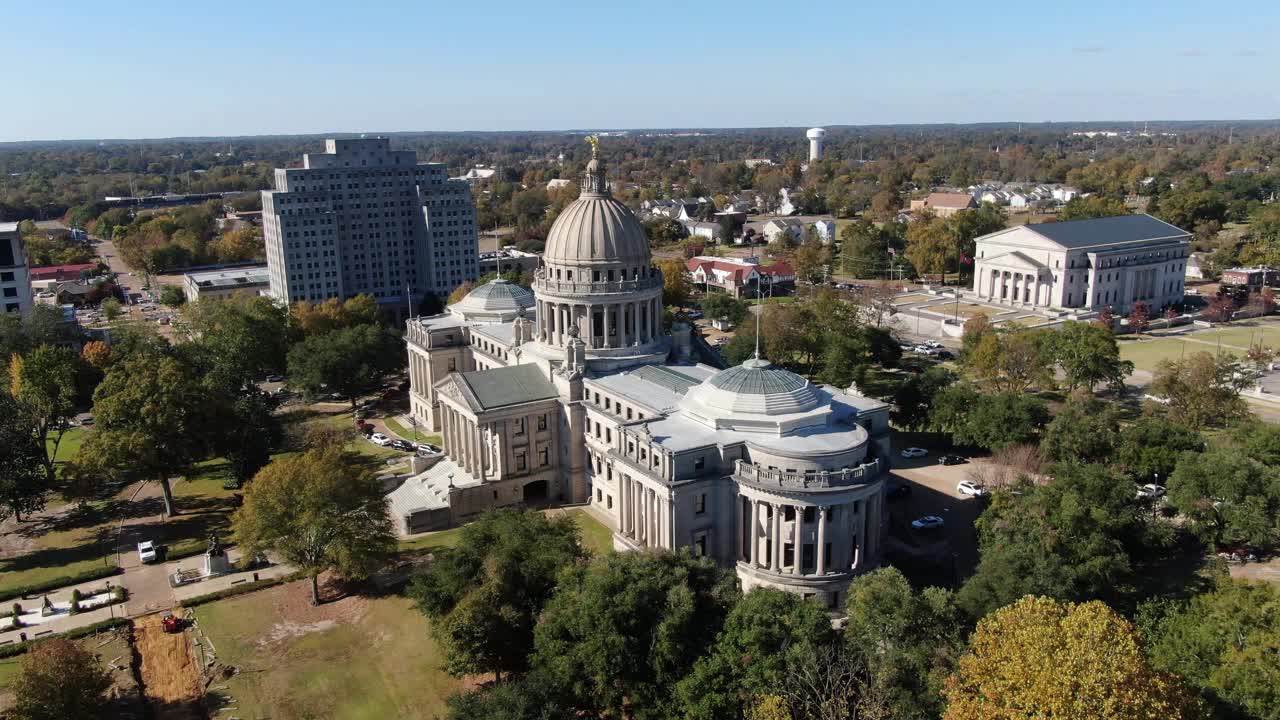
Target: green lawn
[[443, 538], [1147, 353], [71, 441], [381, 663], [411, 434], [80, 542], [1242, 334], [596, 537]]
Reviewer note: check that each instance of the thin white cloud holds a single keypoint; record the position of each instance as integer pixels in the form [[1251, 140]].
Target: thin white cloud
[[1192, 52]]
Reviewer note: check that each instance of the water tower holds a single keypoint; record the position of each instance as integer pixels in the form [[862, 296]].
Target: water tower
[[815, 136]]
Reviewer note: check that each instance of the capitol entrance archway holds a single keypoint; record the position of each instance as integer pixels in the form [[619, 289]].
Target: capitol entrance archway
[[535, 493]]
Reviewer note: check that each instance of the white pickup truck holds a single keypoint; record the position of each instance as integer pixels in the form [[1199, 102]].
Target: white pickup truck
[[147, 551]]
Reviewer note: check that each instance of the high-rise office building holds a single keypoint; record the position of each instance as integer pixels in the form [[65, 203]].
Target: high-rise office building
[[363, 218], [15, 280]]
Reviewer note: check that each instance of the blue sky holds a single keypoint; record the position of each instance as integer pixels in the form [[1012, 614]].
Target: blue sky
[[140, 69]]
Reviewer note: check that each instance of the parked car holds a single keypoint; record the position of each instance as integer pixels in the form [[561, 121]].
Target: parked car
[[366, 429], [404, 445], [1151, 491], [898, 492], [86, 420], [970, 488], [941, 354], [694, 314], [914, 452], [953, 459], [275, 378], [928, 522], [379, 439], [147, 551]]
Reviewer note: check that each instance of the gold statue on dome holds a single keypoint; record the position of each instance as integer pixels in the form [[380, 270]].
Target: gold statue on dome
[[594, 141]]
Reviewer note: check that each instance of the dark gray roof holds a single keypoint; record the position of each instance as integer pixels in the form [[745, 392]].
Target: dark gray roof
[[1106, 231], [758, 377], [505, 386], [665, 377]]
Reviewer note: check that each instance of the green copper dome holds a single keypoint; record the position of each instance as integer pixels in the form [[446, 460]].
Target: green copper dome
[[757, 376]]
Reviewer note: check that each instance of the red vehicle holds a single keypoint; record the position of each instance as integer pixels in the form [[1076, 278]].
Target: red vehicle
[[171, 623]]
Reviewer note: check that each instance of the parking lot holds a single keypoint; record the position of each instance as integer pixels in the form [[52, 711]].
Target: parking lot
[[933, 492]]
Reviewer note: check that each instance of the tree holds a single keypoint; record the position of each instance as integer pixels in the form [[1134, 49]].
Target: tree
[[976, 329], [45, 384], [1224, 643], [1070, 539], [243, 339], [247, 432], [1088, 355], [1085, 430], [1149, 448], [484, 595], [59, 679], [1042, 658], [991, 421], [664, 231], [864, 249], [460, 292], [910, 640], [621, 631], [240, 245], [23, 479], [318, 511], [1230, 498], [1093, 206], [153, 417], [172, 295], [97, 354], [762, 635], [1202, 389], [676, 284], [811, 259], [1140, 317], [344, 361], [884, 205], [716, 305], [914, 397], [1221, 309], [968, 225], [930, 245], [1013, 361], [110, 309]]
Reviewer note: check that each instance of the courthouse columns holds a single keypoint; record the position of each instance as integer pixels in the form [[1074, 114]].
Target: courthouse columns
[[822, 541]]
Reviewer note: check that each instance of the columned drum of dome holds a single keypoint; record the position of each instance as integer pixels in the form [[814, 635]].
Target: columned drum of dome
[[495, 301], [598, 278]]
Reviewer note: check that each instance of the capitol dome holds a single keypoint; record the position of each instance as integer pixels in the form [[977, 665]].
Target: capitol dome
[[755, 388], [596, 229], [497, 301]]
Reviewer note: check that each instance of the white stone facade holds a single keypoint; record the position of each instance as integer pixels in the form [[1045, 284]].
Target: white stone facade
[[363, 218], [1085, 265], [593, 403]]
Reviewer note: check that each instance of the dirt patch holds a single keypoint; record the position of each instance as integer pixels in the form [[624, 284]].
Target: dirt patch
[[337, 606], [170, 671], [290, 630]]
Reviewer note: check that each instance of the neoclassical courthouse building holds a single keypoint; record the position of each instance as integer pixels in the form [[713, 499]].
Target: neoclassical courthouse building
[[574, 393], [1083, 265]]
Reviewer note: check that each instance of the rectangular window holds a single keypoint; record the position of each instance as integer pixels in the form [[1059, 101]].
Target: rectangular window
[[544, 457], [521, 462], [699, 463], [542, 422], [453, 365], [700, 504], [519, 426]]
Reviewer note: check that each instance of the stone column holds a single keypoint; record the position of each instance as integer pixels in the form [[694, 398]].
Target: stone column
[[822, 541], [636, 336], [752, 542], [797, 539], [608, 325], [775, 562]]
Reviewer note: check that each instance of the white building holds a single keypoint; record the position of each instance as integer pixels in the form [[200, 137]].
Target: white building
[[1083, 264], [219, 285], [15, 278], [777, 226], [826, 230], [557, 183], [574, 394], [363, 218]]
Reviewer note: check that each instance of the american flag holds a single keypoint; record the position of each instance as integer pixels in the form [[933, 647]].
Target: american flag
[[893, 252], [965, 259]]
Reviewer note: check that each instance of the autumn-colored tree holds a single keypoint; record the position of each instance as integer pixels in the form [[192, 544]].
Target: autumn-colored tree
[[676, 284], [811, 259], [97, 354], [1221, 309], [59, 679], [239, 245], [460, 292], [320, 512], [1106, 319], [1011, 361], [1042, 658], [1140, 317]]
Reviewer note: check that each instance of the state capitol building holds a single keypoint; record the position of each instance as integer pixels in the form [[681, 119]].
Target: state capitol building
[[573, 393]]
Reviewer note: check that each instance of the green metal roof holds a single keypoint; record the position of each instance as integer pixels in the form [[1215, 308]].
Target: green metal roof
[[665, 377], [757, 376], [505, 386]]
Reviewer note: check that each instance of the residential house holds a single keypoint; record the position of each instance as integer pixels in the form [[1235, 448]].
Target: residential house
[[944, 204]]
